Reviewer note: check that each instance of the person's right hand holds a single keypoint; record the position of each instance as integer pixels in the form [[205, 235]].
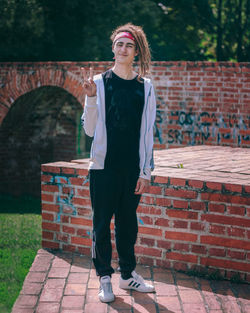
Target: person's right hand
[[89, 87]]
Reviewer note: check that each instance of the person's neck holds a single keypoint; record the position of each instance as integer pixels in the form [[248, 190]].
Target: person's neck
[[124, 71]]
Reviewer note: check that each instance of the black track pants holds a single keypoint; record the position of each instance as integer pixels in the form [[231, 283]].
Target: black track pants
[[112, 192]]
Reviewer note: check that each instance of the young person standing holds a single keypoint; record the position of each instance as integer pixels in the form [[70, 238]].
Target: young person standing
[[119, 113]]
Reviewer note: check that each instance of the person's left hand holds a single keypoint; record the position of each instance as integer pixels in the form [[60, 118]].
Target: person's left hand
[[141, 186]]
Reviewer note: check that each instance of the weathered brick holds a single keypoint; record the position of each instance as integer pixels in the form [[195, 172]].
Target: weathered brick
[[150, 231], [180, 236], [222, 263], [81, 221], [225, 242], [180, 193], [177, 181], [196, 205], [180, 204], [196, 183], [50, 226], [236, 210], [214, 185], [215, 207], [162, 222], [182, 257], [225, 220], [182, 214], [81, 241], [217, 252]]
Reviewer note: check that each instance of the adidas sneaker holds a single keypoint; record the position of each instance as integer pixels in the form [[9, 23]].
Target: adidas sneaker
[[105, 291], [136, 283]]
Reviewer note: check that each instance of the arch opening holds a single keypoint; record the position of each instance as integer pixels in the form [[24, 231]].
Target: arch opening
[[41, 126]]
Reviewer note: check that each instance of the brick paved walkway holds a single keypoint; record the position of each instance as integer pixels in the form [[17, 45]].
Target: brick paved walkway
[[66, 283]]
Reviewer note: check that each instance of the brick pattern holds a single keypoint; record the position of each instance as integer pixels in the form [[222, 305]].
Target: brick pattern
[[184, 223], [197, 102], [67, 283]]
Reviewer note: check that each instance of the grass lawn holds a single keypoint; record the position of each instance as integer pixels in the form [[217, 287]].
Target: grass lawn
[[20, 238]]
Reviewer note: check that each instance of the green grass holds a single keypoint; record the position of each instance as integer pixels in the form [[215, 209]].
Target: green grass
[[20, 238]]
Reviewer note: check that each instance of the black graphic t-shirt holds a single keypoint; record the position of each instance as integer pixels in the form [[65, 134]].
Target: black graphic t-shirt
[[124, 102]]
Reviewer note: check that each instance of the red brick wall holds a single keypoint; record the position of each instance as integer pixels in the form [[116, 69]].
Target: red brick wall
[[187, 225], [197, 102]]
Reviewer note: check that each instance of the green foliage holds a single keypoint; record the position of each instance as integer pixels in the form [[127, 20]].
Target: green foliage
[[36, 30], [20, 238]]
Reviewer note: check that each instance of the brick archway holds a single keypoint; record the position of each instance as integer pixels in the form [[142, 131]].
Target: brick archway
[[16, 79], [197, 102]]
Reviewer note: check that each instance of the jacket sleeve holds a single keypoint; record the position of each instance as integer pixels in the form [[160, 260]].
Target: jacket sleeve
[[149, 162], [89, 116]]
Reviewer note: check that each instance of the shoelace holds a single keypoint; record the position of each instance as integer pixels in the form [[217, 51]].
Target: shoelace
[[139, 278]]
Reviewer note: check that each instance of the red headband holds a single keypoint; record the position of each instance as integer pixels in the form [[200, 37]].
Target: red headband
[[124, 34]]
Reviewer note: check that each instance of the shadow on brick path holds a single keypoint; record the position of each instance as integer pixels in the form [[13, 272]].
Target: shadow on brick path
[[60, 282]]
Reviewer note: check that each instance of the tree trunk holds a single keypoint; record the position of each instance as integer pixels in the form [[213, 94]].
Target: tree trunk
[[240, 33], [219, 32]]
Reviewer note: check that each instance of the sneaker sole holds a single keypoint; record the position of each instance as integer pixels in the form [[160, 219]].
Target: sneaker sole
[[107, 301], [133, 288]]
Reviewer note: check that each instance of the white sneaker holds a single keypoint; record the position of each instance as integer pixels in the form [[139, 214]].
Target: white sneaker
[[105, 291], [136, 283]]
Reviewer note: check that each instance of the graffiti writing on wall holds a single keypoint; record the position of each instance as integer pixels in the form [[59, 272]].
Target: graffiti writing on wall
[[198, 127], [64, 202]]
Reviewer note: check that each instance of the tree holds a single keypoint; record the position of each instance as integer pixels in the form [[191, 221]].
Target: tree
[[72, 30]]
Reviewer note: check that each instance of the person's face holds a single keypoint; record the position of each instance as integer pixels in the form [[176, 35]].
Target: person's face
[[124, 50]]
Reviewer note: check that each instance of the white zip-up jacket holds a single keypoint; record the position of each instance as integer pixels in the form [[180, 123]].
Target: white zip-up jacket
[[93, 122]]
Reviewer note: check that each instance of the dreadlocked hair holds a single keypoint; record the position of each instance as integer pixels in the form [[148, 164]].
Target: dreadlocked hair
[[142, 46]]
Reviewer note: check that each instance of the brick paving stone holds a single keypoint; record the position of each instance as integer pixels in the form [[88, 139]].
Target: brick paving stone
[[170, 303], [144, 271], [82, 260], [73, 311], [43, 259], [78, 269], [78, 278], [140, 297], [50, 307], [40, 267], [164, 277], [194, 308], [51, 294], [92, 296], [163, 289], [212, 301], [58, 262], [245, 308], [186, 284], [190, 296], [35, 277], [95, 307], [58, 272], [27, 301], [113, 310], [55, 283], [231, 306], [75, 289], [74, 302], [145, 308], [20, 310], [122, 303], [94, 283], [181, 276], [31, 288], [44, 252]]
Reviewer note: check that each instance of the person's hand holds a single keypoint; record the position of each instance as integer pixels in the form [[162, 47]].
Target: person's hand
[[141, 186], [89, 87]]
